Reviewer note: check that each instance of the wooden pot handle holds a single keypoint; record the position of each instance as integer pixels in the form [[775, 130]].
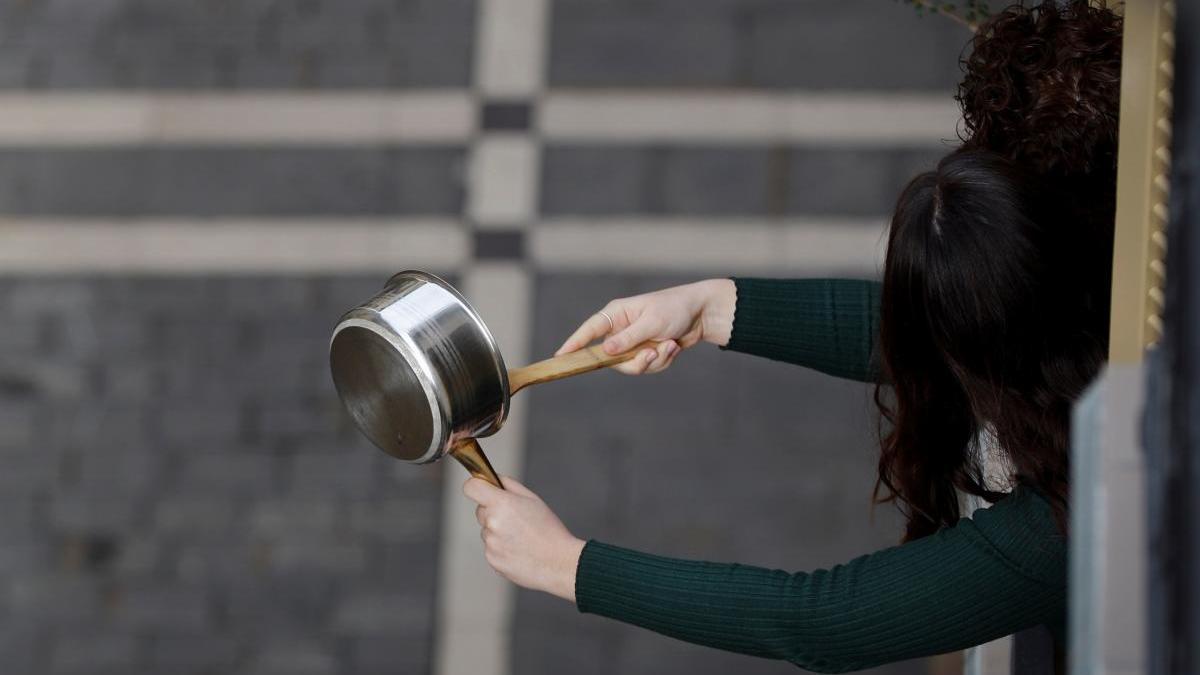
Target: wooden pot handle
[[576, 363], [470, 455]]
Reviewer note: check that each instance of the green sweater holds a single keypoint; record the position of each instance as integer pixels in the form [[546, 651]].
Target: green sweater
[[998, 572]]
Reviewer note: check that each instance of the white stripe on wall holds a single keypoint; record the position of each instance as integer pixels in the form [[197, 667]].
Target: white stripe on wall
[[504, 173], [59, 119], [475, 605], [722, 246], [184, 246], [899, 119], [451, 116], [230, 246], [509, 62]]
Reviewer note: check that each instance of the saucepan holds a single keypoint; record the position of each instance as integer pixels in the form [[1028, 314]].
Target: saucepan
[[422, 376]]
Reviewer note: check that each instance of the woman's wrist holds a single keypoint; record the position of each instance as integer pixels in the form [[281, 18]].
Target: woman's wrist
[[564, 586], [717, 310]]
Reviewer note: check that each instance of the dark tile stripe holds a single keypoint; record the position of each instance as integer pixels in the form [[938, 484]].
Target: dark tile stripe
[[507, 116], [253, 181], [717, 181], [848, 44], [107, 44], [500, 245]]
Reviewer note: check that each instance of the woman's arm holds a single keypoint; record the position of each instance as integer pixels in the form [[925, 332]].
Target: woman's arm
[[1000, 572], [830, 325]]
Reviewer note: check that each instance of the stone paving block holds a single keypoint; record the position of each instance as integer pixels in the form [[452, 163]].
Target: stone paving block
[[260, 605], [110, 469], [29, 470], [123, 381], [295, 424], [254, 297], [717, 181], [299, 657], [596, 180], [48, 379], [374, 612], [22, 335], [22, 647], [61, 600], [202, 181], [218, 562], [394, 520], [316, 554], [162, 609], [54, 297], [229, 474], [109, 515], [136, 557], [94, 652], [843, 181], [84, 425], [408, 564], [21, 556], [190, 423], [389, 655], [621, 44], [18, 514], [17, 425], [193, 654], [194, 517], [568, 643], [850, 45], [351, 474], [277, 519]]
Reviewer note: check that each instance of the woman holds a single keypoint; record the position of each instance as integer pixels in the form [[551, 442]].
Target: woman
[[993, 316]]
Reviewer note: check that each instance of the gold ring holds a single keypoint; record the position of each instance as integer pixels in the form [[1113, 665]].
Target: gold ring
[[611, 326]]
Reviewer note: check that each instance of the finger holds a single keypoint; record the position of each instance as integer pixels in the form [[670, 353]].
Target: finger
[[481, 515], [481, 491], [516, 487], [638, 364], [641, 330], [595, 327], [663, 356]]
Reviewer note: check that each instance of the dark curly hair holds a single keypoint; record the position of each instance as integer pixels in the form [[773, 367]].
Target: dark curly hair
[[1041, 86], [997, 284]]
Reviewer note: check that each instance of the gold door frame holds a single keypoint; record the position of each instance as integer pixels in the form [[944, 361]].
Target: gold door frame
[[1143, 167]]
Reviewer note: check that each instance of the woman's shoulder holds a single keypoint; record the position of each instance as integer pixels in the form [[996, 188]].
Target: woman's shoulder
[[1021, 530]]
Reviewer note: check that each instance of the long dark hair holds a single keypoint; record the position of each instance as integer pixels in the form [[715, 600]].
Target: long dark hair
[[994, 317]]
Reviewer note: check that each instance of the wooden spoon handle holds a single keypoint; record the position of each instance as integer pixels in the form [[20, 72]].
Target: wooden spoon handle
[[583, 361], [470, 455]]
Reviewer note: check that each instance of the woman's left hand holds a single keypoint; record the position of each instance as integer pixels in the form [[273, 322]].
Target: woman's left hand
[[522, 538]]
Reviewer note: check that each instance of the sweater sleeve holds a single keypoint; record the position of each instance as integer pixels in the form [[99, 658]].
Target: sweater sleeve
[[830, 325], [1001, 571]]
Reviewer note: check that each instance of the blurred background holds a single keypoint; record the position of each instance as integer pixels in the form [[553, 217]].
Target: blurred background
[[192, 191]]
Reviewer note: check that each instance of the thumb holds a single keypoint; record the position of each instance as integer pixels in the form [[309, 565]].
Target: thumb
[[482, 492], [516, 487], [641, 330]]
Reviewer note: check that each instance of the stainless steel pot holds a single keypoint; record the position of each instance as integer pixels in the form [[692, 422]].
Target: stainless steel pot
[[422, 376]]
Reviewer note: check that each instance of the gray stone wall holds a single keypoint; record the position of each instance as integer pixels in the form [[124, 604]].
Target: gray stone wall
[[182, 492], [254, 44]]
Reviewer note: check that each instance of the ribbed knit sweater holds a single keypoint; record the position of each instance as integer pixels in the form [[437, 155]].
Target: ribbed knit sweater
[[998, 572]]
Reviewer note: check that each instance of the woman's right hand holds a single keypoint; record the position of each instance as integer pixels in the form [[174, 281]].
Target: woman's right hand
[[676, 318]]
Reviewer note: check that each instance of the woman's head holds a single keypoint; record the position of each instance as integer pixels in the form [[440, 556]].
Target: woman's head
[[1041, 86], [994, 318]]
